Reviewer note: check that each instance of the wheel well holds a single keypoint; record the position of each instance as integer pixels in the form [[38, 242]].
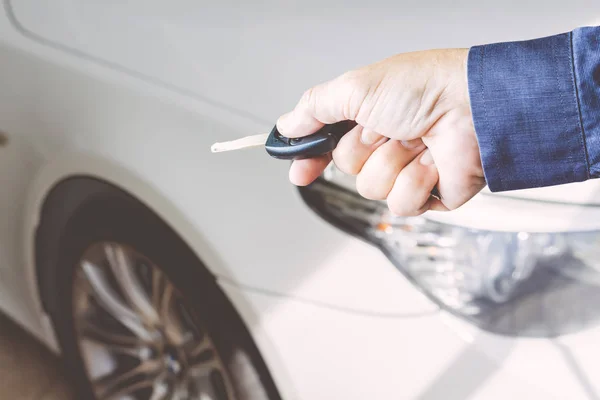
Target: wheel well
[[71, 205], [66, 201]]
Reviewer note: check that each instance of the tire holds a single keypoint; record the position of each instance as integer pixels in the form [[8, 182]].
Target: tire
[[103, 214]]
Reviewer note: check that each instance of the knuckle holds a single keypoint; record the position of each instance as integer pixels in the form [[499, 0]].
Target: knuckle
[[308, 98], [452, 204], [352, 78], [347, 166], [351, 86], [397, 208], [345, 163], [403, 200], [401, 207]]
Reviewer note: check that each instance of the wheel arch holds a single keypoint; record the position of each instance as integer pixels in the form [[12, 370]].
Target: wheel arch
[[68, 203], [56, 178], [66, 200], [78, 175]]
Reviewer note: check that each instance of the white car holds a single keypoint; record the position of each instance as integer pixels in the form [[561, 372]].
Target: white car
[[161, 271]]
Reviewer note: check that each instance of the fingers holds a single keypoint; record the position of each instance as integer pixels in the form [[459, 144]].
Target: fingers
[[368, 137], [351, 152], [411, 192], [326, 103], [380, 171], [404, 176], [350, 155], [304, 172]]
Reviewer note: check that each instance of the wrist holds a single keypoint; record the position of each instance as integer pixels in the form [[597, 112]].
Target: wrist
[[453, 79]]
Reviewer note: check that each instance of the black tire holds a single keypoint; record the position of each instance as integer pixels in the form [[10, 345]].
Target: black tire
[[103, 213]]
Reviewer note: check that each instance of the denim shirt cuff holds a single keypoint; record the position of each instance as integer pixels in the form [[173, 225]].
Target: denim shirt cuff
[[526, 113], [586, 66]]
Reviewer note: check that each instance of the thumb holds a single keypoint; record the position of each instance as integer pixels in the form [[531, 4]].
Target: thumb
[[326, 103]]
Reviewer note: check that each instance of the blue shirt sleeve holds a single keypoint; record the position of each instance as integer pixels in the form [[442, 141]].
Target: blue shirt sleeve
[[536, 109]]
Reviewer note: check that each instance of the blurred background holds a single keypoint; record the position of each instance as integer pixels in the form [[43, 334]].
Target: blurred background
[[27, 369]]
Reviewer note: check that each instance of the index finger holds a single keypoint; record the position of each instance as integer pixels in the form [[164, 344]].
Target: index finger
[[304, 172]]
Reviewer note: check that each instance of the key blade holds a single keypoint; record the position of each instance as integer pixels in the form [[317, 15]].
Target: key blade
[[242, 143]]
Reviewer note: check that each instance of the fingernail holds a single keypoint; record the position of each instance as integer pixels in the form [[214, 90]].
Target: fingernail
[[412, 144], [426, 158], [369, 137]]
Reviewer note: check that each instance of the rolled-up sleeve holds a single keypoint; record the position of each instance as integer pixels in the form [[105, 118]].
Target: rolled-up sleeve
[[536, 109]]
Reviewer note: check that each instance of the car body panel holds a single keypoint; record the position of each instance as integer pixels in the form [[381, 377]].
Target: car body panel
[[86, 94], [108, 130], [258, 57], [429, 356]]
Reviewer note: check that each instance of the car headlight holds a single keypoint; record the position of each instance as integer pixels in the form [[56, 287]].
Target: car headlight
[[515, 283]]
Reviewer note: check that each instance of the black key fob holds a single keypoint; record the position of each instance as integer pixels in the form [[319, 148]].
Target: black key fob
[[317, 144]]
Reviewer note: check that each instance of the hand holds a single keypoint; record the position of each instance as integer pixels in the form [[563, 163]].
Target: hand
[[414, 131]]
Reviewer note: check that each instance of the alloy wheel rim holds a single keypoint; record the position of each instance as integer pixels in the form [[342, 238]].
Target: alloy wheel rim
[[138, 337]]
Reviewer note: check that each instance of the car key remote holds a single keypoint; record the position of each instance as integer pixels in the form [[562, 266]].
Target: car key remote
[[320, 143], [278, 146], [317, 144]]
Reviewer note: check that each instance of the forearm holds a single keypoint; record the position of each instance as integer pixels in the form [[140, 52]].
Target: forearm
[[536, 109]]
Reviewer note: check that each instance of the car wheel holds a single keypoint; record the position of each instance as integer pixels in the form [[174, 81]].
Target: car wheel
[[138, 316]]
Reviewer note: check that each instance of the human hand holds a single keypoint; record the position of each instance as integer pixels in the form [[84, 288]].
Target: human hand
[[414, 131]]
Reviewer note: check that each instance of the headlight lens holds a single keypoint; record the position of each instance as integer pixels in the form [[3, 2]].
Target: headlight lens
[[526, 284]]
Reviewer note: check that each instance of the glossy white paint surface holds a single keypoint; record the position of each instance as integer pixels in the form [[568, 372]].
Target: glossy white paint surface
[[331, 354], [260, 56], [135, 92]]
